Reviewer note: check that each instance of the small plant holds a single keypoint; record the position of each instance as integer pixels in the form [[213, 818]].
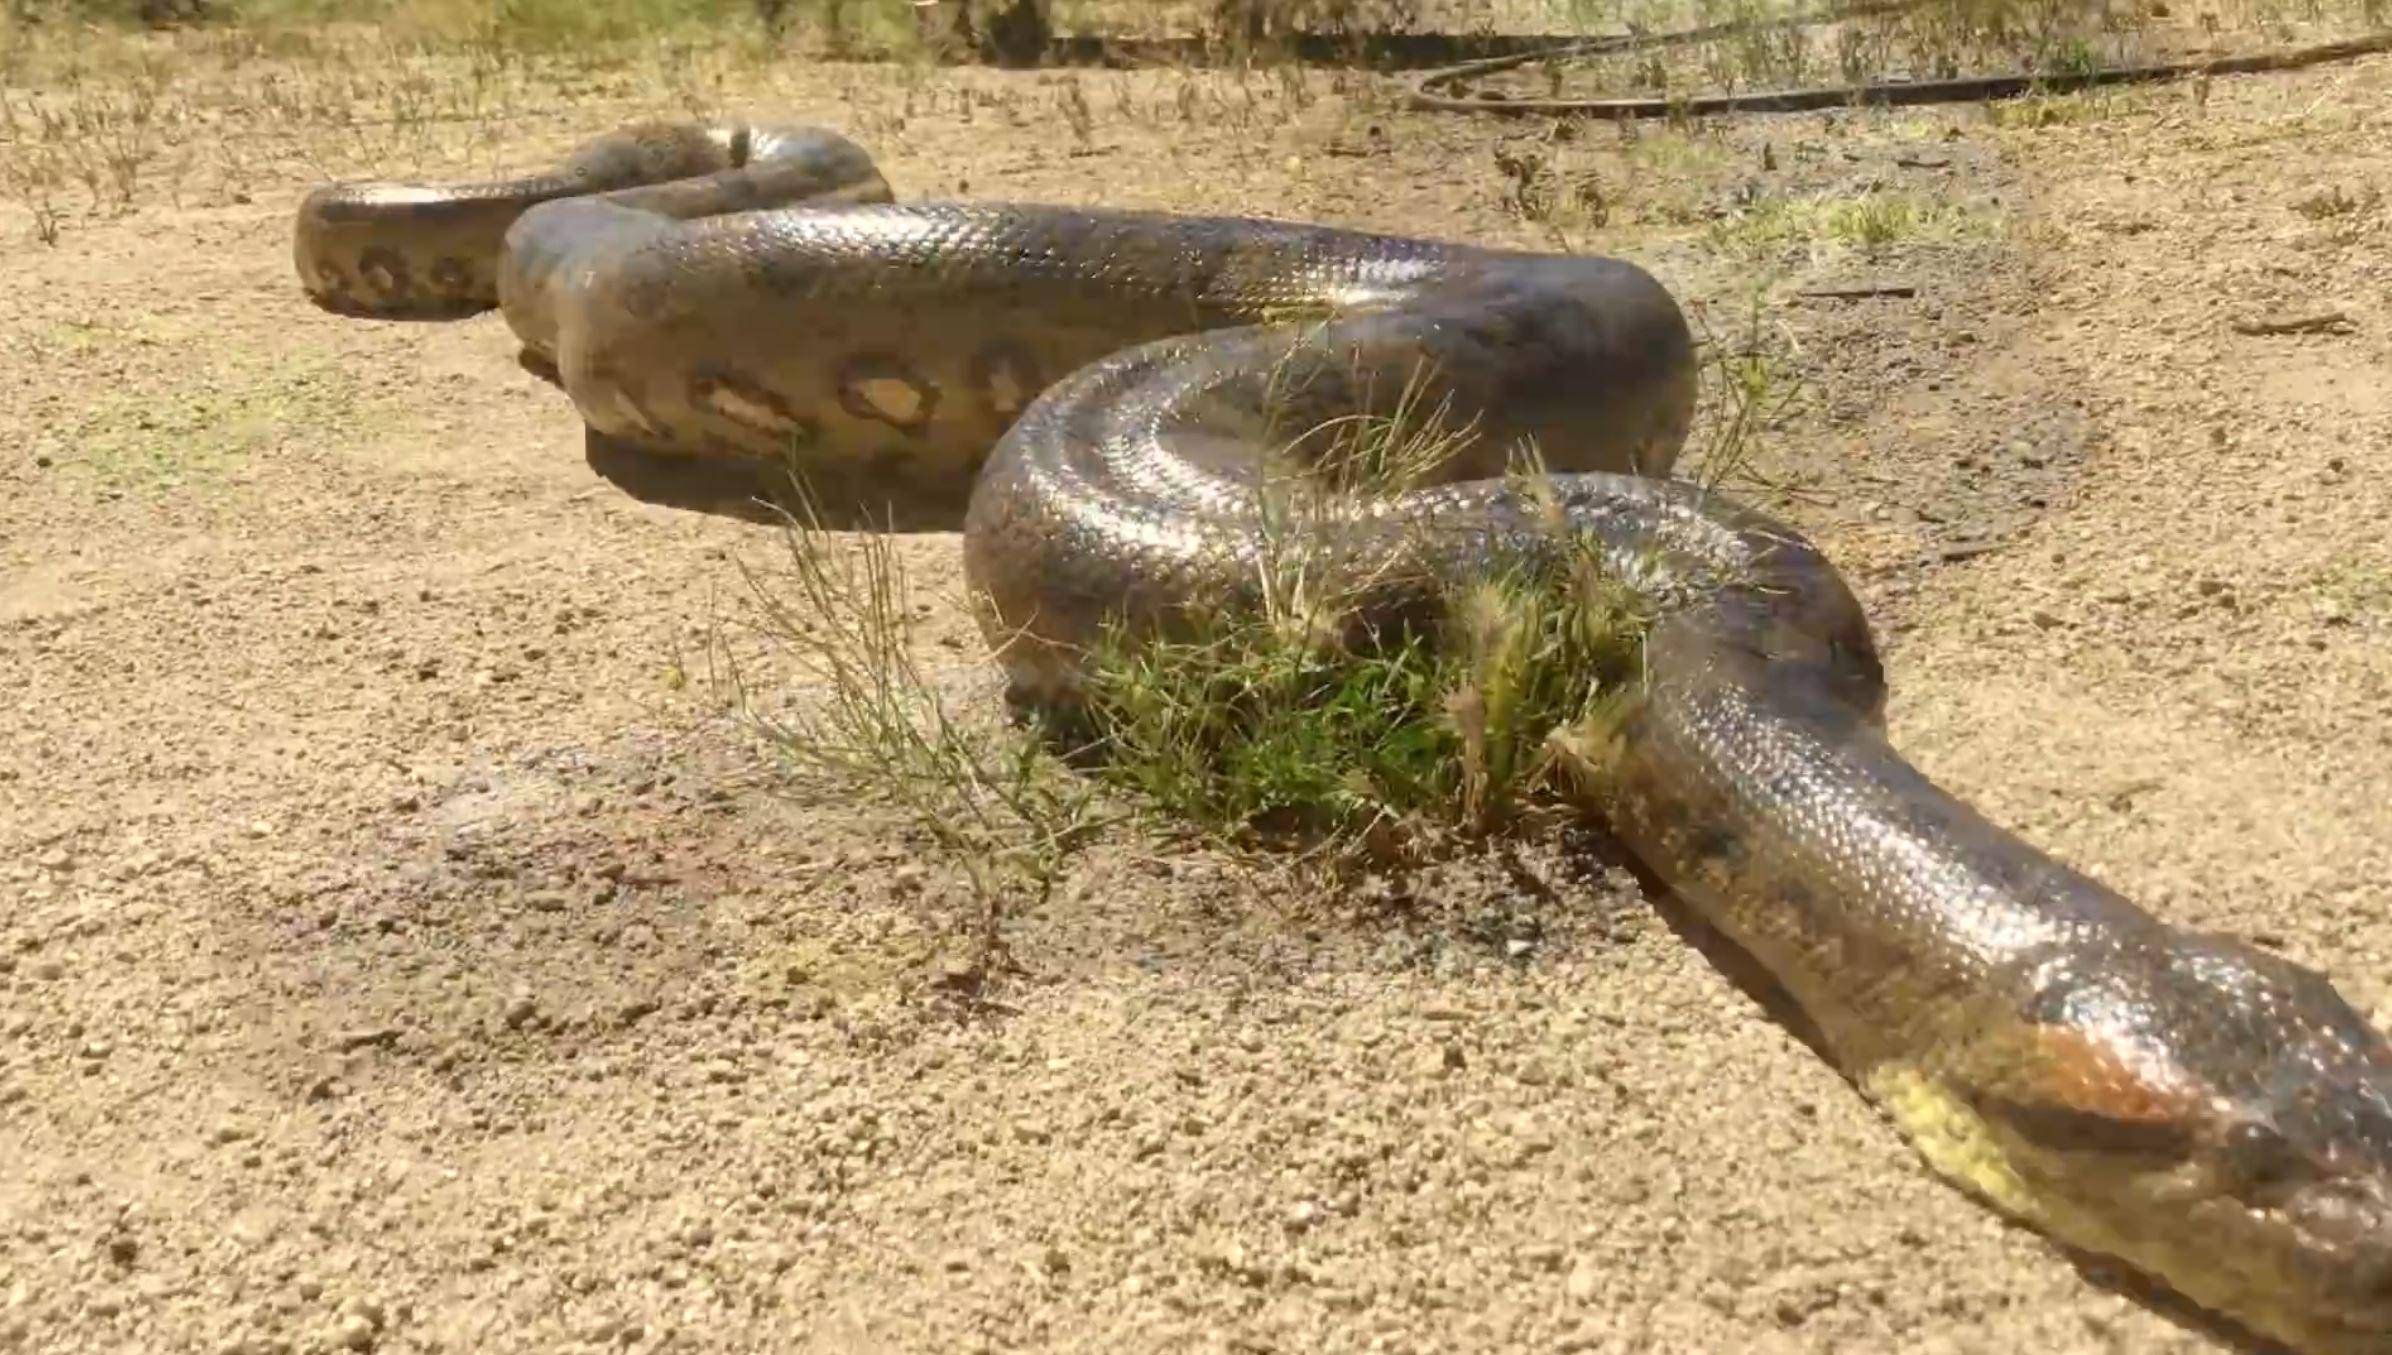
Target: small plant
[[1774, 227], [1076, 112], [870, 719], [2335, 201]]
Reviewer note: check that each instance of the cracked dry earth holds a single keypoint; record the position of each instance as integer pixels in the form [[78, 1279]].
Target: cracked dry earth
[[403, 951]]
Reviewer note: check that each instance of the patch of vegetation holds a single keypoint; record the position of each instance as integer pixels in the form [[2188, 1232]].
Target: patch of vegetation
[[183, 435], [1775, 227], [1274, 726], [1254, 728], [2074, 108], [2352, 586]]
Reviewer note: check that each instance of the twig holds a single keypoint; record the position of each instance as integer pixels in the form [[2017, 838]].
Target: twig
[[2324, 322], [1860, 289]]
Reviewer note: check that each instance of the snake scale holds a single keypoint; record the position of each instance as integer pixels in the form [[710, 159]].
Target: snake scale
[[1090, 395]]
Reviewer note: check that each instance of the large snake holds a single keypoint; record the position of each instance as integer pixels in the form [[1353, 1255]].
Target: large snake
[[1092, 396]]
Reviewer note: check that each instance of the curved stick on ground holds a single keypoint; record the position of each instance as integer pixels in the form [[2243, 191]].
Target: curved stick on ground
[[2215, 1116], [1428, 91]]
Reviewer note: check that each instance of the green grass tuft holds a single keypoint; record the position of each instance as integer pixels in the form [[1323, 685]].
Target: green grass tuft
[[1249, 726]]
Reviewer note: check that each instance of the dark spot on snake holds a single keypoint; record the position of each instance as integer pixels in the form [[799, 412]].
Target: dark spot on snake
[[385, 270], [645, 296], [1796, 896], [785, 272], [1711, 841], [880, 387]]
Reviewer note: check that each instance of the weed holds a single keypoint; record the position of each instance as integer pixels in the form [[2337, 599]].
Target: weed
[[2335, 201], [1770, 229], [871, 719], [1748, 389], [2032, 111]]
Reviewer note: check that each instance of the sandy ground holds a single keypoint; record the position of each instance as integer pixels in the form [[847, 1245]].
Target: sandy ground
[[401, 950]]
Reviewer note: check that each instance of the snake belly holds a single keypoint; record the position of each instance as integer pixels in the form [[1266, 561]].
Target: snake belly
[[1093, 397]]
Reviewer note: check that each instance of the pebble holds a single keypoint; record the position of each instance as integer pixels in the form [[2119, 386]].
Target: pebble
[[1585, 1281], [520, 1011]]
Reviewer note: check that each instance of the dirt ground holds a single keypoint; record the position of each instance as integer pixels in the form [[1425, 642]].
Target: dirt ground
[[401, 949]]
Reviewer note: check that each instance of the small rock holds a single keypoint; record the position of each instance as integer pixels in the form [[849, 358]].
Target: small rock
[[355, 1333], [520, 1011], [1301, 1216], [1585, 1281]]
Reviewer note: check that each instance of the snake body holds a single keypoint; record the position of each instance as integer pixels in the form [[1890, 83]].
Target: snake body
[[1093, 397]]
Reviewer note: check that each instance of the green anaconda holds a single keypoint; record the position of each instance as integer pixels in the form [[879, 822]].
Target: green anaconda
[[1090, 395]]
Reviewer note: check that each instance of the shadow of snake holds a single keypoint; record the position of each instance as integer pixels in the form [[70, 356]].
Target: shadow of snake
[[1092, 396]]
